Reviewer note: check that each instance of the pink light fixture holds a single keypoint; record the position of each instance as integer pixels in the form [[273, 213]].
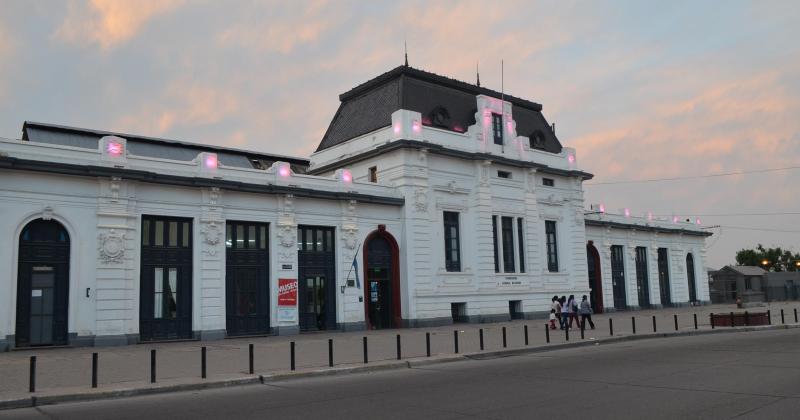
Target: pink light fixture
[[415, 126], [114, 148], [649, 216], [627, 212], [211, 161], [284, 170], [571, 158], [602, 208], [347, 176], [697, 221], [397, 128], [674, 219]]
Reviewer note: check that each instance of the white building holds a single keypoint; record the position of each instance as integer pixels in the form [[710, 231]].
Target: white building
[[428, 201]]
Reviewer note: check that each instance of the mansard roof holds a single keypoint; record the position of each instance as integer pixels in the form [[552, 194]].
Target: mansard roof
[[369, 106], [155, 147]]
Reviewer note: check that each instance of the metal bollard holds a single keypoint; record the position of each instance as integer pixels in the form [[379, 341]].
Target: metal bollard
[[203, 362], [547, 333], [330, 352], [746, 318], [526, 334], [428, 343], [399, 350], [582, 325], [94, 370], [480, 337], [654, 323], [769, 317], [455, 341], [32, 375], [250, 357], [675, 317], [711, 318], [566, 332], [366, 357], [695, 321], [733, 320], [633, 324], [783, 320], [504, 338], [795, 315], [610, 327], [153, 366], [291, 355]]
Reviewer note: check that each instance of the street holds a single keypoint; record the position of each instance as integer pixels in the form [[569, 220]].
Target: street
[[720, 376]]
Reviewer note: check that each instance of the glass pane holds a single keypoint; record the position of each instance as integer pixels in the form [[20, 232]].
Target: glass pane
[[158, 275], [329, 240], [186, 230], [173, 295], [158, 303], [228, 238], [239, 236], [299, 239], [251, 236], [159, 239], [318, 238], [173, 233], [263, 238], [145, 232]]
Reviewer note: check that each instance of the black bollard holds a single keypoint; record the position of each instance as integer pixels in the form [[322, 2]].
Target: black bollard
[[769, 317], [711, 318], [746, 318], [399, 350], [366, 357], [633, 324], [291, 355], [675, 317], [480, 337], [610, 327], [203, 362], [566, 332], [330, 352], [251, 365], [733, 320], [654, 323], [32, 375], [94, 370], [582, 325], [455, 341], [504, 338], [547, 333], [153, 366], [428, 343], [526, 334], [795, 315], [695, 321], [783, 320]]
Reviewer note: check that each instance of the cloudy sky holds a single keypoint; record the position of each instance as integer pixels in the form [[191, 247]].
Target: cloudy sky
[[642, 89]]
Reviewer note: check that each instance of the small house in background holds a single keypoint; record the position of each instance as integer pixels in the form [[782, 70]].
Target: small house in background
[[737, 281], [783, 285]]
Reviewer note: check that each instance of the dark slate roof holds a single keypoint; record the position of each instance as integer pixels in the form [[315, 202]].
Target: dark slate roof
[[368, 107], [153, 147], [747, 270]]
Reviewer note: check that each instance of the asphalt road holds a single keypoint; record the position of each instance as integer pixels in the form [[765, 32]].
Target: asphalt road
[[753, 375]]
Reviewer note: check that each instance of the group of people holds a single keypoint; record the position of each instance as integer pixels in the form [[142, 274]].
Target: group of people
[[566, 310]]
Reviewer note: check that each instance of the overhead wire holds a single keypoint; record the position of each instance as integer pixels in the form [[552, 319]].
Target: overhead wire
[[681, 178]]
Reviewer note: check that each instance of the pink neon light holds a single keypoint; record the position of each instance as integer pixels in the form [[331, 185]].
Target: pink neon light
[[674, 219], [284, 171], [415, 126], [397, 128], [627, 212], [114, 148], [650, 216], [510, 128], [571, 158], [697, 221], [211, 161], [602, 208], [347, 177]]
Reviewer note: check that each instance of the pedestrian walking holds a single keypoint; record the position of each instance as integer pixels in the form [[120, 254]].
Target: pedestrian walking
[[555, 308], [586, 312], [552, 319], [564, 312], [573, 311]]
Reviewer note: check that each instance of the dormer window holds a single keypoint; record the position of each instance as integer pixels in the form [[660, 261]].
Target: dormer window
[[537, 140], [497, 128]]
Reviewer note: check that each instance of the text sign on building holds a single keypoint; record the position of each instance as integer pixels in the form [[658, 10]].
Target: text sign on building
[[287, 292]]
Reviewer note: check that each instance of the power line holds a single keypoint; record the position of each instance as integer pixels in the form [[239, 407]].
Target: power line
[[681, 178], [760, 229], [788, 213]]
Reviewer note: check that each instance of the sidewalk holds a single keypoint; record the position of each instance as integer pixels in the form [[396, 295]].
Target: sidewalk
[[68, 370]]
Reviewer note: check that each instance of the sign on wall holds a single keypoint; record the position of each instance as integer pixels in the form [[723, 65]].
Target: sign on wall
[[287, 292]]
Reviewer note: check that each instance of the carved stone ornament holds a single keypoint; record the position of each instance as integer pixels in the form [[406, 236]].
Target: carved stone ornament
[[212, 233], [287, 234], [421, 200], [114, 187], [47, 213], [350, 236], [287, 256], [111, 247], [213, 196]]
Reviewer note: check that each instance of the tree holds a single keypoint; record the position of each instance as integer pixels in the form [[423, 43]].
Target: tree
[[777, 259]]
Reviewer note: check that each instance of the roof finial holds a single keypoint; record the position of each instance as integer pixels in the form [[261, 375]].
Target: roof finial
[[478, 72], [405, 49]]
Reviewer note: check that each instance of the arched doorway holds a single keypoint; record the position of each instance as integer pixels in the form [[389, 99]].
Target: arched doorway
[[690, 276], [381, 280], [595, 278], [42, 284]]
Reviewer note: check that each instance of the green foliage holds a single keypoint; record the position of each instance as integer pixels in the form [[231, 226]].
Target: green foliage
[[777, 259]]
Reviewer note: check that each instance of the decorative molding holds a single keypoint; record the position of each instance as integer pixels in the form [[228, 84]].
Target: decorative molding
[[114, 187], [212, 233], [287, 233], [47, 213], [213, 196], [451, 188], [350, 235], [421, 200], [286, 255], [111, 247]]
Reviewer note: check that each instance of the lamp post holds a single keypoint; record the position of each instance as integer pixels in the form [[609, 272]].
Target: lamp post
[[765, 264]]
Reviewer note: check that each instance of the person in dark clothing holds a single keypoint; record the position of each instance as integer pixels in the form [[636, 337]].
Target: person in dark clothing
[[586, 312]]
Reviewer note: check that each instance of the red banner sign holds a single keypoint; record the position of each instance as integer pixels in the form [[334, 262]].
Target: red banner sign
[[287, 292]]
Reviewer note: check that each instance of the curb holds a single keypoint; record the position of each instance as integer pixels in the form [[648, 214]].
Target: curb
[[34, 401]]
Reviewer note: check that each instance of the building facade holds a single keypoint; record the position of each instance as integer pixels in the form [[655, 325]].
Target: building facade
[[429, 201]]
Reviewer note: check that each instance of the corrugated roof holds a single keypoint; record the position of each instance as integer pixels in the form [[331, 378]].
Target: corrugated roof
[[151, 146], [369, 106]]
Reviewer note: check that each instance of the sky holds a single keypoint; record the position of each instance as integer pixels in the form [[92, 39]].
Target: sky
[[642, 89]]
